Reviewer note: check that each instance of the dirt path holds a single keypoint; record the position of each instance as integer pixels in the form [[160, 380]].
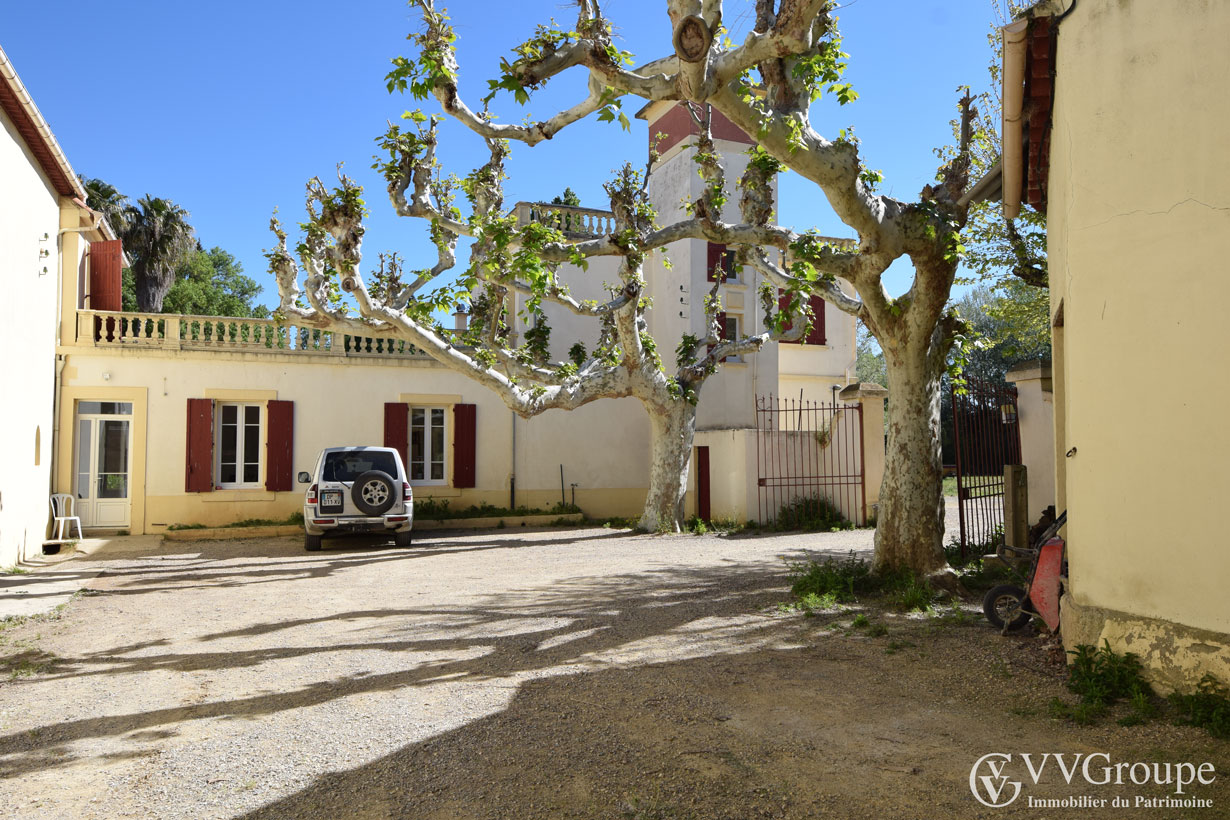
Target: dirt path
[[572, 673]]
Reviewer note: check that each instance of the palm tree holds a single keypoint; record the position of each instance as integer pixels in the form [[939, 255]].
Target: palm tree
[[157, 238], [103, 198]]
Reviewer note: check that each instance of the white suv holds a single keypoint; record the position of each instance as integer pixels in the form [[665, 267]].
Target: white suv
[[357, 489]]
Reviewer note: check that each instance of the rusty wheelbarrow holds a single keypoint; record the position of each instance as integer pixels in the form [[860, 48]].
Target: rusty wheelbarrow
[[1009, 606]]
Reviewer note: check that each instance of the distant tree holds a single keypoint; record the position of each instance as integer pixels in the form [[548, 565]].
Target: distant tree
[[103, 197], [870, 366], [157, 238], [1001, 328], [569, 197], [212, 283]]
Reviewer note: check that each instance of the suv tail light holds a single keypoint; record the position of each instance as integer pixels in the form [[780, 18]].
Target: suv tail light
[[311, 495], [407, 494]]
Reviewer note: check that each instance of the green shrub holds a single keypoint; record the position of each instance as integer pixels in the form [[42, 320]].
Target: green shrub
[[1208, 707], [1102, 678], [812, 514]]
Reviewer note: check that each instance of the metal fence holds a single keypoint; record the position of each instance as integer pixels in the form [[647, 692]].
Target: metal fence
[[986, 436], [809, 459]]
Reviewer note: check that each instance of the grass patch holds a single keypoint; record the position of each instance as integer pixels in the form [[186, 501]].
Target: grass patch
[[849, 578], [1208, 707], [14, 570], [950, 486], [433, 509], [727, 526], [877, 630], [295, 519]]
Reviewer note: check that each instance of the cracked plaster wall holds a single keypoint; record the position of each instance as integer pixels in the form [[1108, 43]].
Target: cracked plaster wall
[[1138, 212]]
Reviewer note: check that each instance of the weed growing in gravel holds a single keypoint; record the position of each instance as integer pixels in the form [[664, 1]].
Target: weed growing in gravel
[[14, 570], [1208, 707], [1102, 677], [860, 620], [844, 579], [877, 630], [810, 602], [850, 577], [894, 647]]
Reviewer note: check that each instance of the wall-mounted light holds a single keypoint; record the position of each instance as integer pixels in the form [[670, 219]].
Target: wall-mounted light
[[1007, 412], [106, 375]]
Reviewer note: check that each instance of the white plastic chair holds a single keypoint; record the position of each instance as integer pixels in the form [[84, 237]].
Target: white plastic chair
[[62, 512]]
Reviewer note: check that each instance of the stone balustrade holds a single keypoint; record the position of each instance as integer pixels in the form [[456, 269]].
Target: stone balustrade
[[169, 331], [573, 221]]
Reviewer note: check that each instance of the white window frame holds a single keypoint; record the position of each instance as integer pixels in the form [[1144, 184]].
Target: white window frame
[[240, 454], [428, 453]]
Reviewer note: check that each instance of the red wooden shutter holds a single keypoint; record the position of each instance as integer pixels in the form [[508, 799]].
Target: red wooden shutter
[[280, 446], [464, 444], [783, 301], [815, 336], [199, 475], [106, 264], [713, 260], [397, 430]]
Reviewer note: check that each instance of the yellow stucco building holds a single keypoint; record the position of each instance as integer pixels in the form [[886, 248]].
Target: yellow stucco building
[[152, 420], [1115, 122]]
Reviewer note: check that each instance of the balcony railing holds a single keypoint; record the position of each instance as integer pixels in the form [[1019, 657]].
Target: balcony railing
[[575, 222], [172, 332]]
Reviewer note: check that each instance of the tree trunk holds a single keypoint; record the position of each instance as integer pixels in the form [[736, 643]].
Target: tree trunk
[[672, 430], [910, 521]]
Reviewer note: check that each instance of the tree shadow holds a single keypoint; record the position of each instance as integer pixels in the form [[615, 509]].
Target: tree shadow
[[561, 628]]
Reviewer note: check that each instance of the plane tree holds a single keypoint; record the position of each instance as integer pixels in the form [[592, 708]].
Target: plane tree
[[766, 84], [509, 259]]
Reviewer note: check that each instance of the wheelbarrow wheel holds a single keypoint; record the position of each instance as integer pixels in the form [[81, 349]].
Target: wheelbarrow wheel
[[1006, 604]]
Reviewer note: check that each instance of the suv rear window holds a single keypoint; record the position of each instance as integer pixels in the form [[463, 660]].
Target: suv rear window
[[348, 466]]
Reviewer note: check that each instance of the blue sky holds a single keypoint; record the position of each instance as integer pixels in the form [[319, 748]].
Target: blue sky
[[228, 108]]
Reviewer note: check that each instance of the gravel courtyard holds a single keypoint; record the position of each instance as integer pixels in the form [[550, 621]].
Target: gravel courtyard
[[518, 674]]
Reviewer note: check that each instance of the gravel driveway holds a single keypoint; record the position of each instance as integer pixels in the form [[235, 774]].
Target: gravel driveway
[[579, 673]]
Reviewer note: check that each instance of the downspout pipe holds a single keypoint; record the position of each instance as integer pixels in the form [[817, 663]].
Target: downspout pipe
[[1014, 39], [57, 387]]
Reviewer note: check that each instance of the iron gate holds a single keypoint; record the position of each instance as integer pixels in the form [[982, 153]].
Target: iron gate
[[986, 436], [809, 455]]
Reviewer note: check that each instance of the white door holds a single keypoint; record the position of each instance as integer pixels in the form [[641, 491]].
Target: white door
[[103, 453]]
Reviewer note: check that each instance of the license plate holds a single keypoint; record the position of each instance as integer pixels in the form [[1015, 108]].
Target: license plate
[[331, 498]]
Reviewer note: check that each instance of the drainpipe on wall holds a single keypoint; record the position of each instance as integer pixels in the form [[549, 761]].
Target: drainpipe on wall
[[61, 360], [512, 475], [1013, 95]]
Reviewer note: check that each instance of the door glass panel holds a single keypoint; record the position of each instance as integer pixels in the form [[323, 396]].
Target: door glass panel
[[112, 459], [437, 444], [84, 428]]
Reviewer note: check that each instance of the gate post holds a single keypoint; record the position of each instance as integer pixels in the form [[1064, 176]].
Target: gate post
[[871, 397], [1016, 505]]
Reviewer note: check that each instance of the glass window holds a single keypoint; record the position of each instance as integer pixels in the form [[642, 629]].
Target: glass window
[[105, 408], [239, 445], [349, 465], [428, 439]]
